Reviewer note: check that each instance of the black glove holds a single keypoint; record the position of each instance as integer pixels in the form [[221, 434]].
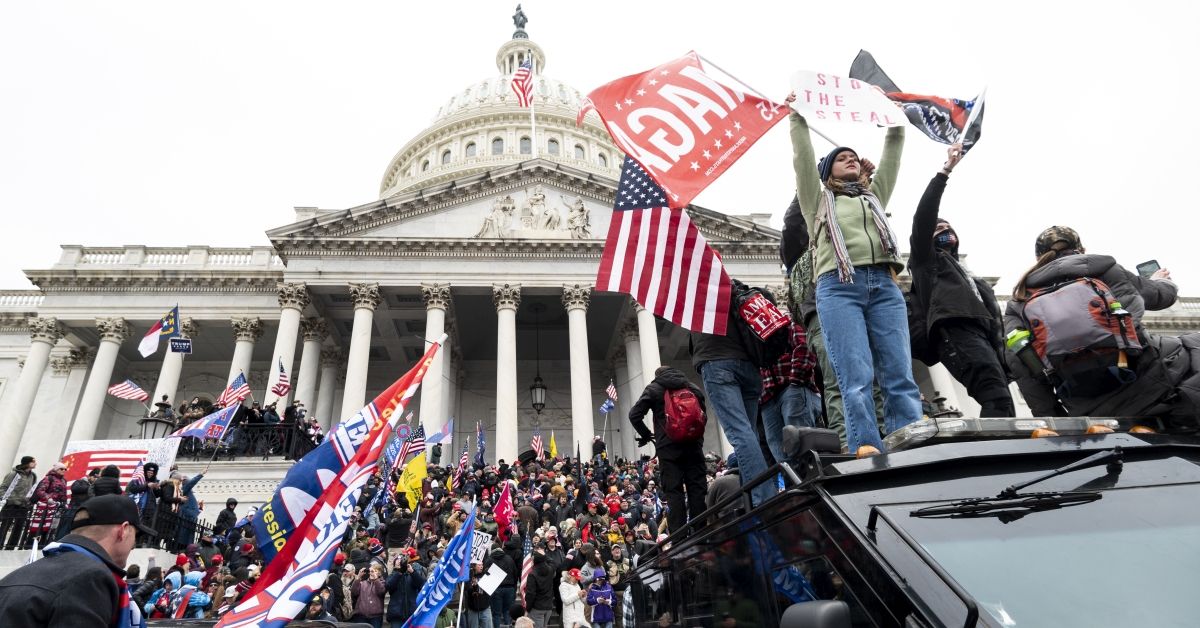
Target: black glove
[[642, 441]]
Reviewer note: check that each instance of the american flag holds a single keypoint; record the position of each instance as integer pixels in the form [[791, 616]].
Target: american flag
[[526, 565], [282, 385], [655, 254], [462, 468], [238, 390], [522, 84], [139, 475], [128, 390], [537, 445], [414, 445], [611, 390]]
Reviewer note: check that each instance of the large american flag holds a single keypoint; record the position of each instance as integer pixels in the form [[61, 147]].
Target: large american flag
[[538, 446], [655, 254], [522, 84], [413, 445], [526, 565], [238, 390], [283, 384], [128, 390]]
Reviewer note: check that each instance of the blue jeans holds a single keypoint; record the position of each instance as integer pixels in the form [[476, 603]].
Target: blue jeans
[[865, 325], [733, 388], [479, 619], [794, 405], [502, 599]]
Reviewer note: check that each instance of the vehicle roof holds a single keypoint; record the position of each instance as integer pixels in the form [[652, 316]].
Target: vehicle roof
[[965, 470]]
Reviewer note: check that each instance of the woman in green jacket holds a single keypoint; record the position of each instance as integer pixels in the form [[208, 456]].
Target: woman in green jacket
[[859, 303]]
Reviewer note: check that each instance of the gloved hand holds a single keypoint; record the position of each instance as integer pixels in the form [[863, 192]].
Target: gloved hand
[[642, 441]]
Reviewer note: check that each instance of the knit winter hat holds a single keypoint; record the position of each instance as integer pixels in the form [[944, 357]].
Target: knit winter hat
[[825, 166], [181, 560]]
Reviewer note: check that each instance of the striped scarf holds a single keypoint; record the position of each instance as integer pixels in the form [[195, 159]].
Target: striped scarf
[[824, 211]]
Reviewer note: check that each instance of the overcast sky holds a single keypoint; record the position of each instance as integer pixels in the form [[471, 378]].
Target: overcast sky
[[206, 122]]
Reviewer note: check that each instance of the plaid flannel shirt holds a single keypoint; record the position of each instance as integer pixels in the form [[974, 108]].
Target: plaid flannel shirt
[[797, 366]]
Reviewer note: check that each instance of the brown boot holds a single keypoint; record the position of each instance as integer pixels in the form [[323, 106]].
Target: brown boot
[[866, 451]]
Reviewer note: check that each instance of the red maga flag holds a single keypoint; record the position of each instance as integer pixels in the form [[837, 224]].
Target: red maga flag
[[681, 124]]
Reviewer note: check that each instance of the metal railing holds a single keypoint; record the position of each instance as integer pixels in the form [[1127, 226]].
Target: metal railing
[[252, 440], [21, 525]]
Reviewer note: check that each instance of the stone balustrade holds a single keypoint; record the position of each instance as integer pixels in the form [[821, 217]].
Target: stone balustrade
[[189, 257]]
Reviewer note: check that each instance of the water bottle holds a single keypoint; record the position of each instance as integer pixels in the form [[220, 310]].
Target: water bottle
[[1018, 341]]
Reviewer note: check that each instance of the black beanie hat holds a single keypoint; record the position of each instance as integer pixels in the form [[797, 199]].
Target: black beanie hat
[[825, 166], [25, 460]]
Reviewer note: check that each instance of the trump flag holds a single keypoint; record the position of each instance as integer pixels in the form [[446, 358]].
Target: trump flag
[[299, 530], [453, 568], [681, 123]]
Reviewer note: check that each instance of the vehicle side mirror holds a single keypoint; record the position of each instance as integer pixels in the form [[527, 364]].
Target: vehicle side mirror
[[797, 440], [816, 614]]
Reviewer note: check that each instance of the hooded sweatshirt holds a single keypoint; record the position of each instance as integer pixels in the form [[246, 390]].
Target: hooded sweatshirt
[[665, 378]]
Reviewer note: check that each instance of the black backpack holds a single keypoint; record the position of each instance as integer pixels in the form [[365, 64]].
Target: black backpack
[[764, 331]]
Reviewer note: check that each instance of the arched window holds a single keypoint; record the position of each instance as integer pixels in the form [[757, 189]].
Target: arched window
[[579, 152], [424, 165], [526, 146], [603, 159], [470, 149], [497, 146], [445, 157], [552, 147]]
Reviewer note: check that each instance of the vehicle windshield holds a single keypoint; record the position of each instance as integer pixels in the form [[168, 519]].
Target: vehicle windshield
[[1128, 559]]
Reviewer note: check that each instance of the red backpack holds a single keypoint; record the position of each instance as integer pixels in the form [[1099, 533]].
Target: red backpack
[[685, 417]]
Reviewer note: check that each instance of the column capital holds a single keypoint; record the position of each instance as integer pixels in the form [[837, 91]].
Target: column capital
[[247, 328], [314, 329], [292, 295], [61, 366], [506, 296], [366, 295], [81, 357], [45, 329], [436, 295], [332, 356], [188, 328], [114, 329], [629, 331], [618, 356], [576, 296]]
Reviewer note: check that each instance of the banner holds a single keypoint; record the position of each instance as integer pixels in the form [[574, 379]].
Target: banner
[[302, 531], [452, 569], [480, 547], [82, 456], [411, 479], [837, 99], [681, 123]]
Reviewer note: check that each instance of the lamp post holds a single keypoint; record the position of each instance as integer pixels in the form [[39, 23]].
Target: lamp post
[[537, 391]]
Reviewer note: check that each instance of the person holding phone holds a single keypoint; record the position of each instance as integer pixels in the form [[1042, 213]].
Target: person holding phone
[[369, 590], [955, 319], [855, 263]]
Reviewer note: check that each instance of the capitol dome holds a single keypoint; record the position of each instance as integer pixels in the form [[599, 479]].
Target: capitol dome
[[482, 126]]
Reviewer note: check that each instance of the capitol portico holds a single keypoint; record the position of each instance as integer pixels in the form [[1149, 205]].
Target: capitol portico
[[471, 236]]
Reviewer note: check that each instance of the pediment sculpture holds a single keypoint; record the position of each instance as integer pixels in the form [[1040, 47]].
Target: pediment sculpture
[[536, 219]]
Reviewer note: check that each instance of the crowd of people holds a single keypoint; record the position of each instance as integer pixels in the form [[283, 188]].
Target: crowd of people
[[254, 429]]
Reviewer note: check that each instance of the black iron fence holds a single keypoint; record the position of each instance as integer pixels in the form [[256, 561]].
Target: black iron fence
[[21, 525], [253, 440]]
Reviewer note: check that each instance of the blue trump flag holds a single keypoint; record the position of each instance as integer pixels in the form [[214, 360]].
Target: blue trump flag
[[211, 426], [453, 568]]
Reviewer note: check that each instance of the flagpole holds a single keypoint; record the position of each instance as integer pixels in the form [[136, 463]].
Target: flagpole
[[975, 111], [764, 97], [462, 592], [532, 124]]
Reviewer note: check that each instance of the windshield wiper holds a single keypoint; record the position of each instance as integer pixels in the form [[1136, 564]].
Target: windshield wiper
[[1010, 504]]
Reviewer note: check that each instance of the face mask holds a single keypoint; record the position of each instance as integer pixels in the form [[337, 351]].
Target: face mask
[[945, 240]]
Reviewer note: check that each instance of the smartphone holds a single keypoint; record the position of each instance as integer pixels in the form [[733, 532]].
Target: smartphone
[[1146, 269]]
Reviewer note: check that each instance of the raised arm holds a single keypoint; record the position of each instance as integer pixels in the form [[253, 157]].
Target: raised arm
[[926, 216], [804, 162]]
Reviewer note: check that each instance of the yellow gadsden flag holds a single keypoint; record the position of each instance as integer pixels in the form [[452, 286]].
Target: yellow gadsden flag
[[553, 447], [410, 479]]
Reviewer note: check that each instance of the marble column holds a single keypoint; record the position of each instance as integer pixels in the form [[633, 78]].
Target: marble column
[[331, 360], [637, 379], [315, 332], [625, 400], [113, 331], [293, 298], [575, 298], [69, 375], [506, 297], [367, 297], [648, 341], [172, 367], [433, 413], [44, 333], [246, 331]]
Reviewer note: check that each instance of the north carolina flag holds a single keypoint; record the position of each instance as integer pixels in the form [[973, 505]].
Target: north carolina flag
[[168, 325]]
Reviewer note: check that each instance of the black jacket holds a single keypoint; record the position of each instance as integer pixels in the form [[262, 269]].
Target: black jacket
[[498, 557], [540, 588], [478, 600], [225, 520], [942, 290], [708, 347], [65, 589], [652, 401], [792, 244], [1161, 368], [404, 588]]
